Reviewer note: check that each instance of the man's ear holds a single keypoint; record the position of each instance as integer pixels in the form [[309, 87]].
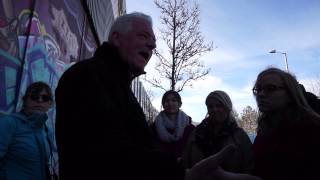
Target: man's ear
[[115, 39]]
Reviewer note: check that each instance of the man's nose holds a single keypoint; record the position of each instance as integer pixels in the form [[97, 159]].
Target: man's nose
[[40, 99], [151, 44]]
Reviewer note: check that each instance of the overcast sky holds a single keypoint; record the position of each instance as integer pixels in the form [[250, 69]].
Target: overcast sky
[[245, 31]]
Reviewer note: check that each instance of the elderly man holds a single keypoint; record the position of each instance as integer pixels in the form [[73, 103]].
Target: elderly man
[[100, 128]]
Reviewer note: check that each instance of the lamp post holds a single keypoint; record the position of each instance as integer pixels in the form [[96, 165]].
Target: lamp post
[[285, 55]]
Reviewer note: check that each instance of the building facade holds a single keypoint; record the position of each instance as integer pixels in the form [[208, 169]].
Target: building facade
[[40, 39]]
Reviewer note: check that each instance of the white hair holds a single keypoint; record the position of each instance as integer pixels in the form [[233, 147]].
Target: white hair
[[123, 23]]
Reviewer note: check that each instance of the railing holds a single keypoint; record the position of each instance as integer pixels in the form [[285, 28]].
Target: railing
[[144, 100]]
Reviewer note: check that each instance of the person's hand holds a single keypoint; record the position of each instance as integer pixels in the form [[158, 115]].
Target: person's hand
[[209, 169], [225, 175]]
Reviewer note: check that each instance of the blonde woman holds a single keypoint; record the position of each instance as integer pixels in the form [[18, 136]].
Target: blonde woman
[[218, 130]]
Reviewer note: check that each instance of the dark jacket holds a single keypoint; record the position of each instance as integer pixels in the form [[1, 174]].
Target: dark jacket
[[101, 129], [23, 147], [291, 152], [204, 142]]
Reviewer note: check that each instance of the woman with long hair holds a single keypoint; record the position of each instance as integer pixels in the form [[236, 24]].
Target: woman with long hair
[[287, 145], [172, 126], [218, 130]]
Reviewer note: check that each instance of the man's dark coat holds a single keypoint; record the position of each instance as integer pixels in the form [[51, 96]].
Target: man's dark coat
[[101, 129]]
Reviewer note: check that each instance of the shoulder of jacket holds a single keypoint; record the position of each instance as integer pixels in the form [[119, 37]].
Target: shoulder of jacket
[[10, 120], [6, 117], [80, 66], [239, 132], [240, 135], [190, 120], [77, 74]]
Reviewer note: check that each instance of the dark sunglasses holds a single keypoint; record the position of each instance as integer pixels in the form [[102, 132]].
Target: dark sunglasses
[[36, 97], [267, 89]]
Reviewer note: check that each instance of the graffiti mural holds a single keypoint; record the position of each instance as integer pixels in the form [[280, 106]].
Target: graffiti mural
[[39, 40]]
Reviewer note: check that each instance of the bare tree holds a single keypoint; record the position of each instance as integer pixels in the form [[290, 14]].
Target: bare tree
[[314, 86], [181, 34], [249, 119], [236, 116]]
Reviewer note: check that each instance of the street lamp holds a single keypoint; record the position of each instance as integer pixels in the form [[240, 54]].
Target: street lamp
[[285, 55]]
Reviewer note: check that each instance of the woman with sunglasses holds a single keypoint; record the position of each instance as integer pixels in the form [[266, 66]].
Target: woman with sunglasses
[[24, 149], [287, 145]]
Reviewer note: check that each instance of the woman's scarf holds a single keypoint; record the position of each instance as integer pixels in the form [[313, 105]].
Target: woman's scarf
[[168, 130]]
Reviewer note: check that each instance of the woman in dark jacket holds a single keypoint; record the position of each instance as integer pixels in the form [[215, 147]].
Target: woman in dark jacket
[[287, 145], [172, 126], [215, 132]]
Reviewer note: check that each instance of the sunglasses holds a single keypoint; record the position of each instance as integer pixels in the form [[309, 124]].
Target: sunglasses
[[37, 97]]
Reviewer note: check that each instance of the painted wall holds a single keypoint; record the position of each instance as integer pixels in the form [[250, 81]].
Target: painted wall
[[39, 40]]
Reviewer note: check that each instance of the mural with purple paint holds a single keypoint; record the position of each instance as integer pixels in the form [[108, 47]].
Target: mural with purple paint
[[39, 40]]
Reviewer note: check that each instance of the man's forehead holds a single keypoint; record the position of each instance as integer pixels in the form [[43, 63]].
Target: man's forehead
[[143, 26], [141, 22]]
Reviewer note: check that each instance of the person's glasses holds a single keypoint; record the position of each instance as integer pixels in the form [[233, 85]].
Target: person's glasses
[[43, 97], [267, 89]]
